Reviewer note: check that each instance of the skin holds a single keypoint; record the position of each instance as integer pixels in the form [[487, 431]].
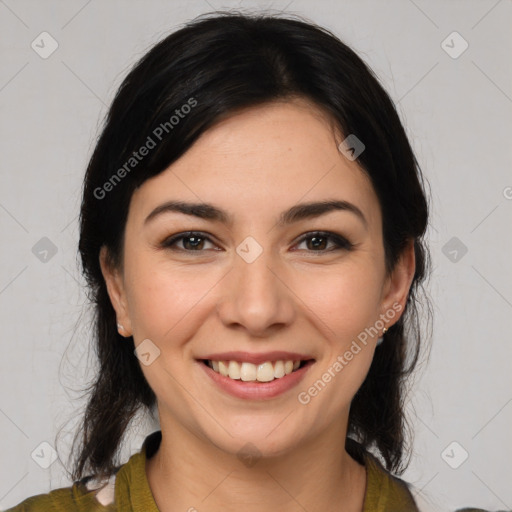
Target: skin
[[294, 297]]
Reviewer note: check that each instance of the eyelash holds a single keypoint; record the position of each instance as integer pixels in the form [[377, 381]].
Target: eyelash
[[341, 242]]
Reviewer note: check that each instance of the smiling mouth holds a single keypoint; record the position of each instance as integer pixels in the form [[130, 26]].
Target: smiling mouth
[[249, 372]]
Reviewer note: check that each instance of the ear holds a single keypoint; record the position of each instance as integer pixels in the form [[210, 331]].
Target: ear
[[398, 284], [115, 287]]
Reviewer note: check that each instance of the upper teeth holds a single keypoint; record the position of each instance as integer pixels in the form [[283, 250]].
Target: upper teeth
[[264, 372]]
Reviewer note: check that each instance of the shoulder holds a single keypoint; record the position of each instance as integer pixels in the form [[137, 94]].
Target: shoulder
[[385, 491], [125, 490], [86, 495]]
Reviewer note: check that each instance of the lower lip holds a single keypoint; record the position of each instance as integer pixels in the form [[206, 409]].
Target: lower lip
[[257, 390]]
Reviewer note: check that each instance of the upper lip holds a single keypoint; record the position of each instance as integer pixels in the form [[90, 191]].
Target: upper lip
[[248, 357]]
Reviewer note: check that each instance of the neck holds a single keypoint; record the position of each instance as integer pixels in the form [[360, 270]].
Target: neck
[[188, 473]]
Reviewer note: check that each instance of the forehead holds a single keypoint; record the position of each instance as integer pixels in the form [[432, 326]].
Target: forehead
[[262, 157]]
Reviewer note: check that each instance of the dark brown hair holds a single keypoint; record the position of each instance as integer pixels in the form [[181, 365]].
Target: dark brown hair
[[217, 64]]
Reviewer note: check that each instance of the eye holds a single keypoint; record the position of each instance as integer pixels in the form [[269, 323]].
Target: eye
[[192, 241], [319, 241]]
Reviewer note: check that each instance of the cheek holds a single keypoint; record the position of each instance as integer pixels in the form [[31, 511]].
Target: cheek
[[163, 299], [346, 299], [348, 302], [345, 306]]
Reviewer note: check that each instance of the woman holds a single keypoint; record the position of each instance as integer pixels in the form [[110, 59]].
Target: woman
[[252, 232]]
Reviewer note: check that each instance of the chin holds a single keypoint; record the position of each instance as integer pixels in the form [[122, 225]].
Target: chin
[[260, 439]]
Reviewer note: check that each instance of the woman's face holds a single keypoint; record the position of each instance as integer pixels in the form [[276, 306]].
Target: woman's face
[[255, 285]]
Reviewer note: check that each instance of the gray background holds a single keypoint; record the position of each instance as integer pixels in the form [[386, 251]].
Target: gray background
[[457, 112]]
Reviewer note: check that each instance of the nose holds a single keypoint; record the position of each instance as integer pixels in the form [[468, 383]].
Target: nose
[[256, 297]]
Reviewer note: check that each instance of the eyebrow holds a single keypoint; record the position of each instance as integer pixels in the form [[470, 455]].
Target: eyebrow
[[294, 214]]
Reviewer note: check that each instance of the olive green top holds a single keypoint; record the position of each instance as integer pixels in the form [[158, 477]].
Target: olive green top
[[128, 490]]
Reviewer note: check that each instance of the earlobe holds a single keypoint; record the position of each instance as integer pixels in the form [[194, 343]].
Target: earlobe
[[116, 292]]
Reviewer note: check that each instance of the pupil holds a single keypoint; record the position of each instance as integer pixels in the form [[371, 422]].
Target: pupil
[[196, 243], [316, 245]]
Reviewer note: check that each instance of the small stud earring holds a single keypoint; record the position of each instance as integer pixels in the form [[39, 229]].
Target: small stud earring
[[119, 326], [381, 339]]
